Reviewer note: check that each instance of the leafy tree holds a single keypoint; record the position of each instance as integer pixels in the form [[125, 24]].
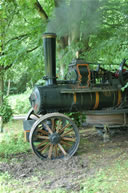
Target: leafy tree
[[16, 36], [97, 29]]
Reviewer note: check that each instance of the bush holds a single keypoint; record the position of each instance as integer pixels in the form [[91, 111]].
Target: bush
[[77, 117], [6, 111], [12, 139], [20, 102]]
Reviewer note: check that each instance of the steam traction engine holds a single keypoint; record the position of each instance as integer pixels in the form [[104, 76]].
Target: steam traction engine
[[96, 92]]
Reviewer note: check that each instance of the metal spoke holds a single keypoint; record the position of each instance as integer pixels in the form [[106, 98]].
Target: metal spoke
[[50, 152], [66, 133], [62, 149], [68, 139]]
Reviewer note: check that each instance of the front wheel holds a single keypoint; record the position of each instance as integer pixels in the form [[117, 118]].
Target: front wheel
[[54, 136]]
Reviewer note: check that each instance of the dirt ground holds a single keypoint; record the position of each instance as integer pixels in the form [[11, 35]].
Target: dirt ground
[[92, 155]]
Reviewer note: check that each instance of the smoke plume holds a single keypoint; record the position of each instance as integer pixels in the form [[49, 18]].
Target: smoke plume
[[75, 16]]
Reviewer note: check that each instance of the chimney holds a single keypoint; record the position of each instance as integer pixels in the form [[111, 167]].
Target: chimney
[[49, 42]]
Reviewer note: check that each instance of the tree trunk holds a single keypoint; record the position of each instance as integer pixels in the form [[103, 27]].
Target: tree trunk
[[8, 90], [1, 124], [62, 70], [1, 88], [62, 44]]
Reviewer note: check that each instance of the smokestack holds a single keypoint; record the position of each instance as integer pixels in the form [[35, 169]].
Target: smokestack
[[49, 42]]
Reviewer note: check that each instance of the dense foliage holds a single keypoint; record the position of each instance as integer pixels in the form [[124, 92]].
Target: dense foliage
[[20, 103], [5, 111], [97, 29]]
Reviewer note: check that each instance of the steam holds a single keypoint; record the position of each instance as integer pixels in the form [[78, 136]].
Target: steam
[[74, 17]]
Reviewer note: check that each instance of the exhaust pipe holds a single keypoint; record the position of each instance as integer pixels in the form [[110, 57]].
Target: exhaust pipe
[[49, 43]]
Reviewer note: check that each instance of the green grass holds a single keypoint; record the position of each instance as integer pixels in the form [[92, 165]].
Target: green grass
[[9, 185], [112, 179], [29, 185], [12, 143], [12, 140]]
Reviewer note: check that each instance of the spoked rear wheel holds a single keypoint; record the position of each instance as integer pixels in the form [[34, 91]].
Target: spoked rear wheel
[[54, 136]]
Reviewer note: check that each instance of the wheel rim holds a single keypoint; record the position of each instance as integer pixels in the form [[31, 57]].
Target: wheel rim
[[54, 136]]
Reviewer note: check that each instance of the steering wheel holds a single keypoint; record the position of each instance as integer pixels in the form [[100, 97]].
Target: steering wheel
[[123, 72]]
